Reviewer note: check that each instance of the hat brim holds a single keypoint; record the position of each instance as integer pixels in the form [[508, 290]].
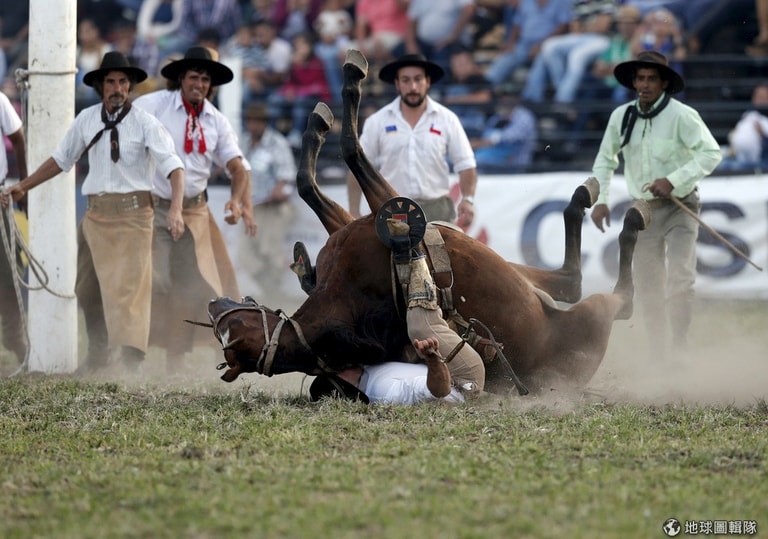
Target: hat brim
[[138, 74], [330, 385], [625, 72], [388, 73], [220, 74]]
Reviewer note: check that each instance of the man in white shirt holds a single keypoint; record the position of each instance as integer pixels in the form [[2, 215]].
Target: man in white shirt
[[190, 270], [10, 310], [411, 140], [125, 146], [393, 382]]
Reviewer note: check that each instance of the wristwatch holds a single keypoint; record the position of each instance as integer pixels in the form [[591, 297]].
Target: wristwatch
[[469, 199]]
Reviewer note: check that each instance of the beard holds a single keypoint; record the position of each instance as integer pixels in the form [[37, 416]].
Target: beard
[[413, 100]]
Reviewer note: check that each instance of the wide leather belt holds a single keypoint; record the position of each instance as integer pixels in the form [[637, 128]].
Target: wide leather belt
[[190, 202], [118, 203]]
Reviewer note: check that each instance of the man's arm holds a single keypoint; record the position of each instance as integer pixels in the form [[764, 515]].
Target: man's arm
[[45, 172], [240, 203], [174, 220]]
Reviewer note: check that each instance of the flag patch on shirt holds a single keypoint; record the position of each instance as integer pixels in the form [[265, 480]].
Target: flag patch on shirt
[[434, 130], [390, 129]]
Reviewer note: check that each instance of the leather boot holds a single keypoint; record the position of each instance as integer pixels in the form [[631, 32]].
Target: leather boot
[[13, 335], [131, 359], [98, 351], [421, 290]]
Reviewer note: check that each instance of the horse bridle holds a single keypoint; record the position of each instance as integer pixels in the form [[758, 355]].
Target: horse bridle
[[268, 351]]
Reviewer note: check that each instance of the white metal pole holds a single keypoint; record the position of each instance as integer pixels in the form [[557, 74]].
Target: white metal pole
[[53, 316]]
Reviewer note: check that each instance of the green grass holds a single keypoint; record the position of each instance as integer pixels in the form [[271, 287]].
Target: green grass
[[198, 458], [100, 460]]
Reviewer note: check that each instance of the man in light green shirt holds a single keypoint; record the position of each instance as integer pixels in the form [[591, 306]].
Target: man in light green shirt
[[667, 149]]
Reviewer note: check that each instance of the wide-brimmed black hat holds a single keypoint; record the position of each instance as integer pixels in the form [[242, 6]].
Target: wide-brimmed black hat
[[114, 61], [199, 58], [388, 73], [625, 71], [330, 385]]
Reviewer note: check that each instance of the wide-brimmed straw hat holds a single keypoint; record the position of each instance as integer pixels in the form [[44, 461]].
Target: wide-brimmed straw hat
[[388, 73], [114, 61], [199, 58], [625, 71]]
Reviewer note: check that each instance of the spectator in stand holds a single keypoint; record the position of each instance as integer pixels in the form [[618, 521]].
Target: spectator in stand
[[256, 10], [14, 29], [91, 48], [435, 27], [620, 50], [380, 27], [292, 17], [660, 31], [333, 27], [142, 54], [564, 59], [266, 63], [305, 86], [533, 22], [196, 15], [759, 46], [508, 143], [157, 22], [262, 259], [748, 149], [467, 92]]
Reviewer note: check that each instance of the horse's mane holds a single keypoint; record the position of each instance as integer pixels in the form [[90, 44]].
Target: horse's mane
[[379, 336]]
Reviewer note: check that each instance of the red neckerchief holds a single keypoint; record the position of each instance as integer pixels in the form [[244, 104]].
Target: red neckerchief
[[192, 115]]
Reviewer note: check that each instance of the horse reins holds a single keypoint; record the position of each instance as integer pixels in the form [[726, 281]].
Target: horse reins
[[268, 351]]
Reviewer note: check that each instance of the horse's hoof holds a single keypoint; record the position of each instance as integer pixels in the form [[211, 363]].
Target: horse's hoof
[[593, 188], [638, 215], [356, 59], [325, 113]]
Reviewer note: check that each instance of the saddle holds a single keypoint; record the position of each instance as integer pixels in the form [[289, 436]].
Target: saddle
[[429, 241]]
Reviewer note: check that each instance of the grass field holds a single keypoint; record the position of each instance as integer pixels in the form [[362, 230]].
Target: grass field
[[197, 458]]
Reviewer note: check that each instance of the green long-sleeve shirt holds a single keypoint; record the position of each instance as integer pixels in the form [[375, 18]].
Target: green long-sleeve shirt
[[676, 145]]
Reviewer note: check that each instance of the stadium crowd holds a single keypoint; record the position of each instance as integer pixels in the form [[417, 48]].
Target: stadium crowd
[[520, 72]]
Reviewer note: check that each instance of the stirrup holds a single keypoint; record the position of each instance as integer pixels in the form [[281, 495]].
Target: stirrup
[[302, 267], [406, 210]]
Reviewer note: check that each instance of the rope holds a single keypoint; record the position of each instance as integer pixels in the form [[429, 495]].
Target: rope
[[9, 245]]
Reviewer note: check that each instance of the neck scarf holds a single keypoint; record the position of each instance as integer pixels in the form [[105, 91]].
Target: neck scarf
[[111, 126], [633, 113], [193, 120]]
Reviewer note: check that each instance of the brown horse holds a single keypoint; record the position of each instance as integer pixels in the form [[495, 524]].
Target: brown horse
[[352, 316]]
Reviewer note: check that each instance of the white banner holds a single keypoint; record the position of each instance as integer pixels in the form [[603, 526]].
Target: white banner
[[520, 217]]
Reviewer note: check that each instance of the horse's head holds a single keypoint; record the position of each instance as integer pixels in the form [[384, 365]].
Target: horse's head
[[250, 336]]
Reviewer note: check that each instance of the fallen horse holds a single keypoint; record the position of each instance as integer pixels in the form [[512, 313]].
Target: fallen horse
[[354, 314]]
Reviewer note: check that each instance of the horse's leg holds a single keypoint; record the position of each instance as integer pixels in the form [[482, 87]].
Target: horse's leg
[[637, 218], [332, 215], [564, 284], [375, 188]]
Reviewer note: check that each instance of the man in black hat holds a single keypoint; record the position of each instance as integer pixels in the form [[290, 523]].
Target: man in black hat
[[125, 147], [667, 150], [410, 140], [192, 269]]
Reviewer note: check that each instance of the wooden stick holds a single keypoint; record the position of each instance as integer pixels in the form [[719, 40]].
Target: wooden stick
[[712, 231]]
